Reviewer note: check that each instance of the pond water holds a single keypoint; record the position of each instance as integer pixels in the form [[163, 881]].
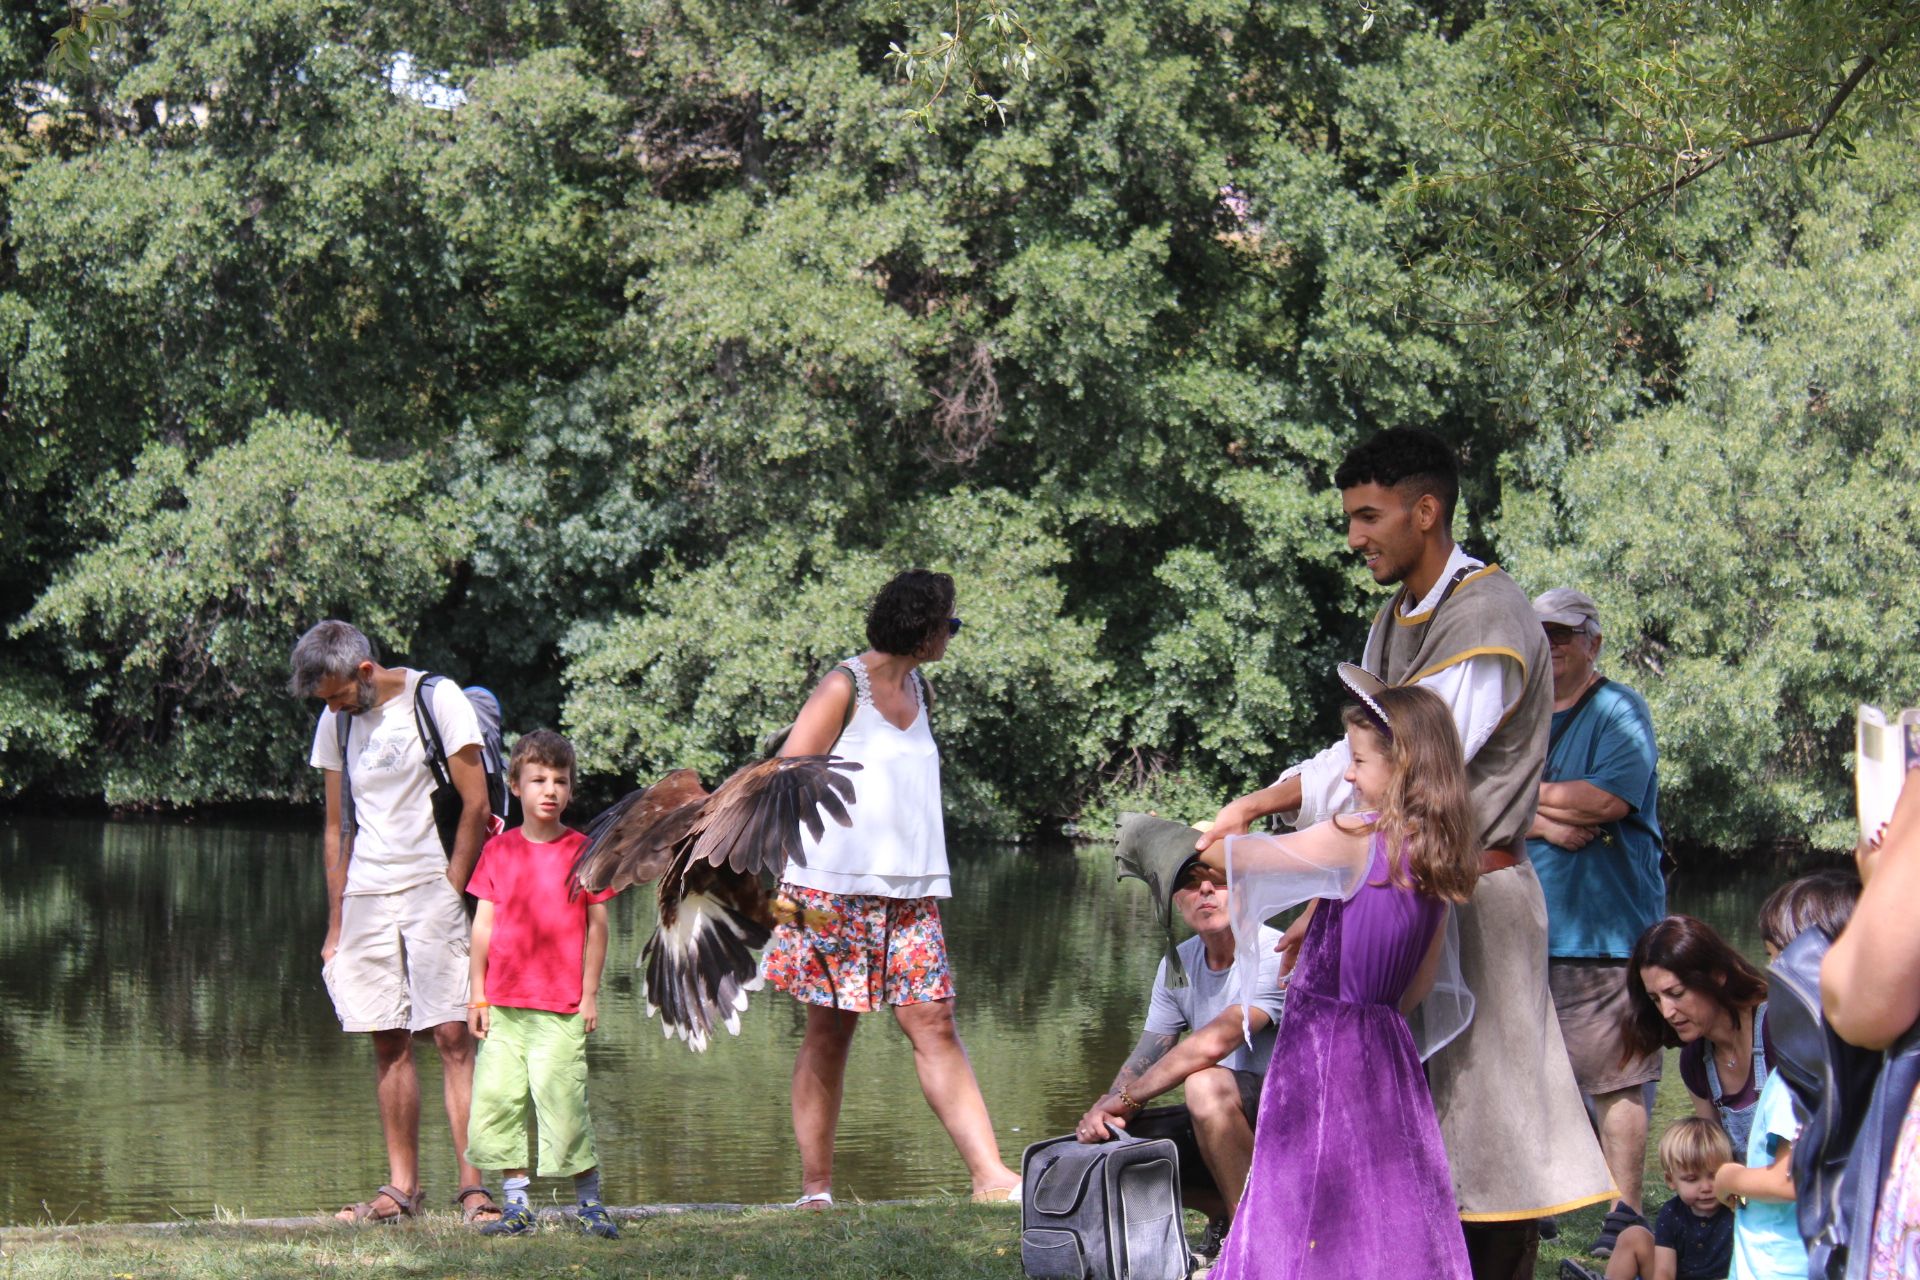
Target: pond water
[[167, 1046]]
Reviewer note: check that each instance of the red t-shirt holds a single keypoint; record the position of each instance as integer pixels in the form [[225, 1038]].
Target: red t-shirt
[[539, 937]]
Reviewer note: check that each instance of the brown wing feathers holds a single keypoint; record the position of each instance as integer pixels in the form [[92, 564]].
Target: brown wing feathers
[[709, 854], [632, 842], [752, 823]]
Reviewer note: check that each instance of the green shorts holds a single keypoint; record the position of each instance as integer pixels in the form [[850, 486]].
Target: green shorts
[[531, 1055]]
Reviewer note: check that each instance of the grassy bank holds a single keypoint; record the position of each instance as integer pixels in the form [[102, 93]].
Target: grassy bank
[[935, 1240], [927, 1240], [932, 1240]]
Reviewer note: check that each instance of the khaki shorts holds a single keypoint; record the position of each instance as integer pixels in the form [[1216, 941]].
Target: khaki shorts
[[1591, 998], [402, 959]]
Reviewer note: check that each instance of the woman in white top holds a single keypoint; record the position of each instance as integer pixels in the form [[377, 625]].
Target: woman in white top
[[876, 884]]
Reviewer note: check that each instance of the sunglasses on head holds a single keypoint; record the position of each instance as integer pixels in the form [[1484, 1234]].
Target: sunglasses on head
[[953, 626]]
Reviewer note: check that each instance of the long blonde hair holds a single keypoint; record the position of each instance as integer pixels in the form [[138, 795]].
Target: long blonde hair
[[1426, 815]]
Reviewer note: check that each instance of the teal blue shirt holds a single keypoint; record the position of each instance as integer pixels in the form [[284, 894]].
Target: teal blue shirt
[[1601, 898], [1766, 1233]]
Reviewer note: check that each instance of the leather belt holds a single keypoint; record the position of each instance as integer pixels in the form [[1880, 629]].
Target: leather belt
[[1497, 860]]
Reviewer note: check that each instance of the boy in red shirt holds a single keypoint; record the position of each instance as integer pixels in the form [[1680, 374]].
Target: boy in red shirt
[[536, 957]]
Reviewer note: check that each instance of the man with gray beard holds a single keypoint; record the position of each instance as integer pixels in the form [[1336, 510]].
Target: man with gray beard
[[395, 955]]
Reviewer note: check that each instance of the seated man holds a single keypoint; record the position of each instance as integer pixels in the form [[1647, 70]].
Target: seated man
[[1222, 1075]]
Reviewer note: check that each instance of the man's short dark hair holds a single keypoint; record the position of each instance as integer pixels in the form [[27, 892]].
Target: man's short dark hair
[[909, 610], [1409, 456], [331, 650]]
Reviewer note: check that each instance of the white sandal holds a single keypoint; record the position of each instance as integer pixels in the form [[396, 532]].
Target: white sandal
[[822, 1198]]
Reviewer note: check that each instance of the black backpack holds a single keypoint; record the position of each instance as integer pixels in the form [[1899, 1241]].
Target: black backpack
[[446, 796], [1831, 1082], [1102, 1211], [1852, 1101]]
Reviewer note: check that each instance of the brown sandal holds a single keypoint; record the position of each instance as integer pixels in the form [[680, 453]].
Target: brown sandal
[[472, 1213], [405, 1206]]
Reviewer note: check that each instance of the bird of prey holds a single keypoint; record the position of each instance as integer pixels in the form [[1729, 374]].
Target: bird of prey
[[709, 853]]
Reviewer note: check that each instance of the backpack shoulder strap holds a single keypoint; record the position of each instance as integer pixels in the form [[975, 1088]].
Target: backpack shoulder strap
[[430, 729], [1580, 704], [926, 696], [856, 677], [343, 726]]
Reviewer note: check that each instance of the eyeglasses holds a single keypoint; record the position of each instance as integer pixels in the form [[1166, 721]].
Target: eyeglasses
[[953, 626], [1563, 635], [1198, 872]]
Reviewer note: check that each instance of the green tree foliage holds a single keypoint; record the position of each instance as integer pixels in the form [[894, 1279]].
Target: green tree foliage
[[1752, 545], [718, 657], [652, 336], [175, 629], [1587, 118]]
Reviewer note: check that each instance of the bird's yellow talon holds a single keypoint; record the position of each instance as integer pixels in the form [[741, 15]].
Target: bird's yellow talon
[[787, 911]]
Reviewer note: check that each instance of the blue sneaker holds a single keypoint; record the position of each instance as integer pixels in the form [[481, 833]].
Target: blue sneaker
[[596, 1221], [516, 1220]]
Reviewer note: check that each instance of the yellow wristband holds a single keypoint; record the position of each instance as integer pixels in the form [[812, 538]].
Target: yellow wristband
[[479, 1004]]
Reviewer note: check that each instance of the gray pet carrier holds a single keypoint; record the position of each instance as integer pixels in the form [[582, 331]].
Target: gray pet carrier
[[1106, 1211]]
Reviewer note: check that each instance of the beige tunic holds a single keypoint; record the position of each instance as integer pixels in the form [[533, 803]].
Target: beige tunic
[[1518, 1140]]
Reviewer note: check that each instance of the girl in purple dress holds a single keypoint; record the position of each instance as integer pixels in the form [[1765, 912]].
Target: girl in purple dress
[[1349, 1176]]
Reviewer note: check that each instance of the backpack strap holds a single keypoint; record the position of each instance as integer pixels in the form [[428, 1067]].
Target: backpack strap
[[1580, 704], [343, 726], [430, 731], [926, 696]]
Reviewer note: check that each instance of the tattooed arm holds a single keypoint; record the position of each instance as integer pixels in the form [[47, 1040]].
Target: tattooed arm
[[1110, 1109]]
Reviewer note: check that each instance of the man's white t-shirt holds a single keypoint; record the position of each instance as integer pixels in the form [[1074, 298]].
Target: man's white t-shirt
[[395, 846]]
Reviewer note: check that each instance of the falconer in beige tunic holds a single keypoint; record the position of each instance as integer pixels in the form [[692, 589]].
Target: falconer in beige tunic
[[1517, 1136]]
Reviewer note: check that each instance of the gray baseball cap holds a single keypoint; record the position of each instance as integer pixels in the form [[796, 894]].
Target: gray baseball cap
[[1565, 607]]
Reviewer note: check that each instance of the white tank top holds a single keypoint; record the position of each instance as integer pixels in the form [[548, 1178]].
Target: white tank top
[[897, 845]]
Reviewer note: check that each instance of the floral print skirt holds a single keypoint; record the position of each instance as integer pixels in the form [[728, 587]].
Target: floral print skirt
[[1894, 1252], [874, 952]]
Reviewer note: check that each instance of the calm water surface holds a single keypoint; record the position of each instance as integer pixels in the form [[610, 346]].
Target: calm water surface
[[167, 1046]]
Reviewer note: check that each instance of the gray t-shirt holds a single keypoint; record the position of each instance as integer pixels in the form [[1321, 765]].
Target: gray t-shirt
[[1176, 1012]]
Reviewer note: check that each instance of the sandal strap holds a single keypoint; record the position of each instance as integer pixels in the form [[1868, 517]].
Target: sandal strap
[[816, 1197], [409, 1204], [460, 1196]]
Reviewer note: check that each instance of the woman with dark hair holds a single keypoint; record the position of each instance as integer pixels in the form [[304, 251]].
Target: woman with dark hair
[[870, 934], [1687, 987]]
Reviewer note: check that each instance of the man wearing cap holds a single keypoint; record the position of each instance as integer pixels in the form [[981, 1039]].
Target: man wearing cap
[[1518, 1141], [1595, 843], [1195, 995]]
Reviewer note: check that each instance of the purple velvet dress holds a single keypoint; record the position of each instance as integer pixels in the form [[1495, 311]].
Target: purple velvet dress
[[1349, 1176]]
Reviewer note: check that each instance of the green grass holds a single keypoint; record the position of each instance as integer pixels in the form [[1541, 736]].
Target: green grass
[[929, 1240]]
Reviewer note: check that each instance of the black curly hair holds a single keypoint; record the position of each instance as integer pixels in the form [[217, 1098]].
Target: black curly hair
[[909, 611], [1408, 456]]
